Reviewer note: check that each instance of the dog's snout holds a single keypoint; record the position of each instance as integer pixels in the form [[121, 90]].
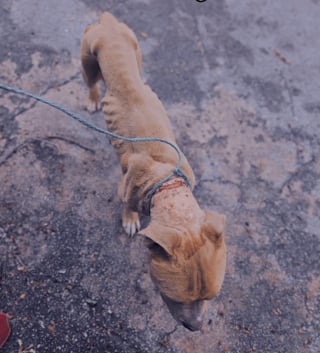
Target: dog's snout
[[190, 315], [194, 325]]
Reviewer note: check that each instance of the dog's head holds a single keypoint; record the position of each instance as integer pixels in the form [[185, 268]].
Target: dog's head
[[188, 265]]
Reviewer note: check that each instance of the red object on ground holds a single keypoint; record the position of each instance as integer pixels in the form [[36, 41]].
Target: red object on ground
[[4, 329]]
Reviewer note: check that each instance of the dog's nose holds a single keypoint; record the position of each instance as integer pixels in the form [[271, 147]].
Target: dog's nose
[[195, 325]]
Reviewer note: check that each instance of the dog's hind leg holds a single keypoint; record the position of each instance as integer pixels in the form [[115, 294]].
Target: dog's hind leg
[[93, 102], [91, 74]]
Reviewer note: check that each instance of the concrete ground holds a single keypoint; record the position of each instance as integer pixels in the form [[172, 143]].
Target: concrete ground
[[240, 82]]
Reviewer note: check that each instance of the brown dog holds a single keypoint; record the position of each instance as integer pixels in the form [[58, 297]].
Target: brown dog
[[188, 253]]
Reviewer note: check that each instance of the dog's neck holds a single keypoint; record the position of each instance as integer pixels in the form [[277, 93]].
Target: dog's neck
[[174, 204]]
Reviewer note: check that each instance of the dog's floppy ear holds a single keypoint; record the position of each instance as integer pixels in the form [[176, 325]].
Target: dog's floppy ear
[[162, 237], [214, 225]]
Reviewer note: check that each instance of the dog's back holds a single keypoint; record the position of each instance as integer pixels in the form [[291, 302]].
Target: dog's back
[[110, 51]]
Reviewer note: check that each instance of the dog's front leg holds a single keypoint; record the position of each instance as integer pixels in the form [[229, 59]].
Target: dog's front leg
[[130, 220]]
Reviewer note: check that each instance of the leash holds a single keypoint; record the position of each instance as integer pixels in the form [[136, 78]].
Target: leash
[[176, 171]]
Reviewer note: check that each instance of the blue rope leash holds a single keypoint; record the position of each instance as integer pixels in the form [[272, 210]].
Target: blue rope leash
[[176, 171]]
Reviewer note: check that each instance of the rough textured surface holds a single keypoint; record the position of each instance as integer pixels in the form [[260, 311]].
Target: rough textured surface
[[239, 80]]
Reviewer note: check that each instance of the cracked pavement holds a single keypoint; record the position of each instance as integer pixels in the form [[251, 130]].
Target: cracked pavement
[[239, 82]]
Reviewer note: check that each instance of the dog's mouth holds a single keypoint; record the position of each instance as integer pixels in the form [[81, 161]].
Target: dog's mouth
[[190, 315]]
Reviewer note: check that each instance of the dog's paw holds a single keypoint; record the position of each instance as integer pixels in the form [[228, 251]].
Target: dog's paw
[[131, 222], [92, 106]]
